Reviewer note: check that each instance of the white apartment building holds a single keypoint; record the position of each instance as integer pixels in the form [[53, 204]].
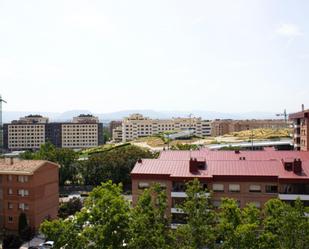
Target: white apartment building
[[29, 133], [137, 125], [30, 136], [79, 135]]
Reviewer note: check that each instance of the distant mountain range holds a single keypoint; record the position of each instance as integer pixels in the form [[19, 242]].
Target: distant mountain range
[[8, 116]]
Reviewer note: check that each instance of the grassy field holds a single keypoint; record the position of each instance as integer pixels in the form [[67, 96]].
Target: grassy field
[[262, 134]]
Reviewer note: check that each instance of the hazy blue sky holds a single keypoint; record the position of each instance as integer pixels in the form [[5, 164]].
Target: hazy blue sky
[[228, 56]]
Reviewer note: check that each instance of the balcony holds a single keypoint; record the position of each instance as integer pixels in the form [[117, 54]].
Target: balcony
[[292, 191], [176, 211], [179, 194], [293, 197]]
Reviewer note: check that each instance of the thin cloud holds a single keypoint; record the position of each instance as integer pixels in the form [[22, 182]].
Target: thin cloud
[[198, 20], [289, 30]]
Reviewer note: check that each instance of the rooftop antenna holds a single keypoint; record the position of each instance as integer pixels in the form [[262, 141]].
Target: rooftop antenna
[[285, 115], [1, 127]]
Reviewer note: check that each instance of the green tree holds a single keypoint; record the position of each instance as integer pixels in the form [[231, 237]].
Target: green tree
[[22, 222], [238, 229], [11, 242], [70, 208], [115, 165], [288, 224], [66, 158], [102, 223], [199, 230], [149, 226]]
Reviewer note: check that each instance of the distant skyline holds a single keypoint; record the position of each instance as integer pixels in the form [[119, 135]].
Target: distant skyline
[[105, 56]]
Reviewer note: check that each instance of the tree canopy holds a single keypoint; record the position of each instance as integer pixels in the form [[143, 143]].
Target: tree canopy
[[108, 221]]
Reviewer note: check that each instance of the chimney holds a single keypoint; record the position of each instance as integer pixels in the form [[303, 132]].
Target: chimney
[[139, 160], [302, 107], [297, 166], [288, 164], [9, 160], [196, 165]]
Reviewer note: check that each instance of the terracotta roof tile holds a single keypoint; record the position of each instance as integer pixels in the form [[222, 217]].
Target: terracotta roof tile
[[225, 163], [21, 167]]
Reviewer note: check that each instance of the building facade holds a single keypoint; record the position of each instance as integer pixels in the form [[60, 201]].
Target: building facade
[[137, 125], [117, 134], [220, 127], [301, 129], [113, 125], [247, 176], [29, 187], [30, 132]]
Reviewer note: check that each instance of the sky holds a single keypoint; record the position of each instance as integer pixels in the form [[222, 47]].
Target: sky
[[112, 55]]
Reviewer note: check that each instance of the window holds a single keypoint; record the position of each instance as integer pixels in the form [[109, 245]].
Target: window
[[10, 219], [271, 189], [143, 185], [216, 187], [23, 178], [10, 205], [234, 188], [23, 192], [23, 206], [10, 178], [255, 188], [10, 191]]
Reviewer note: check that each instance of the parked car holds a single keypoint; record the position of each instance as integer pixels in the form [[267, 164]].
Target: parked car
[[47, 245]]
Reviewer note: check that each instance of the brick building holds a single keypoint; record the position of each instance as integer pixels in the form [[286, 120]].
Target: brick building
[[247, 176], [301, 129], [220, 127], [27, 186]]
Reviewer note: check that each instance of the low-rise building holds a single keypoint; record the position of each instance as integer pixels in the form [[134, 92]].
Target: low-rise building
[[30, 132], [247, 176], [220, 127], [137, 125], [29, 187]]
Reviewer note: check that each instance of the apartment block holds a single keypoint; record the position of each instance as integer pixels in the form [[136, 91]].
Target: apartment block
[[301, 129], [247, 176], [114, 125], [137, 125], [29, 187], [30, 132], [117, 134], [220, 127]]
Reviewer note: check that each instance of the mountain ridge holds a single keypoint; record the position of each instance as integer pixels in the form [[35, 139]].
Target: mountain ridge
[[8, 116]]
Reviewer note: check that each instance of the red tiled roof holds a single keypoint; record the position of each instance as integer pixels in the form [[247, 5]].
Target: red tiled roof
[[225, 163], [27, 167]]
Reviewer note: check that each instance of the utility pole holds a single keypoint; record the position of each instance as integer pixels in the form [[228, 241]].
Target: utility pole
[[1, 127], [251, 139], [285, 115]]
